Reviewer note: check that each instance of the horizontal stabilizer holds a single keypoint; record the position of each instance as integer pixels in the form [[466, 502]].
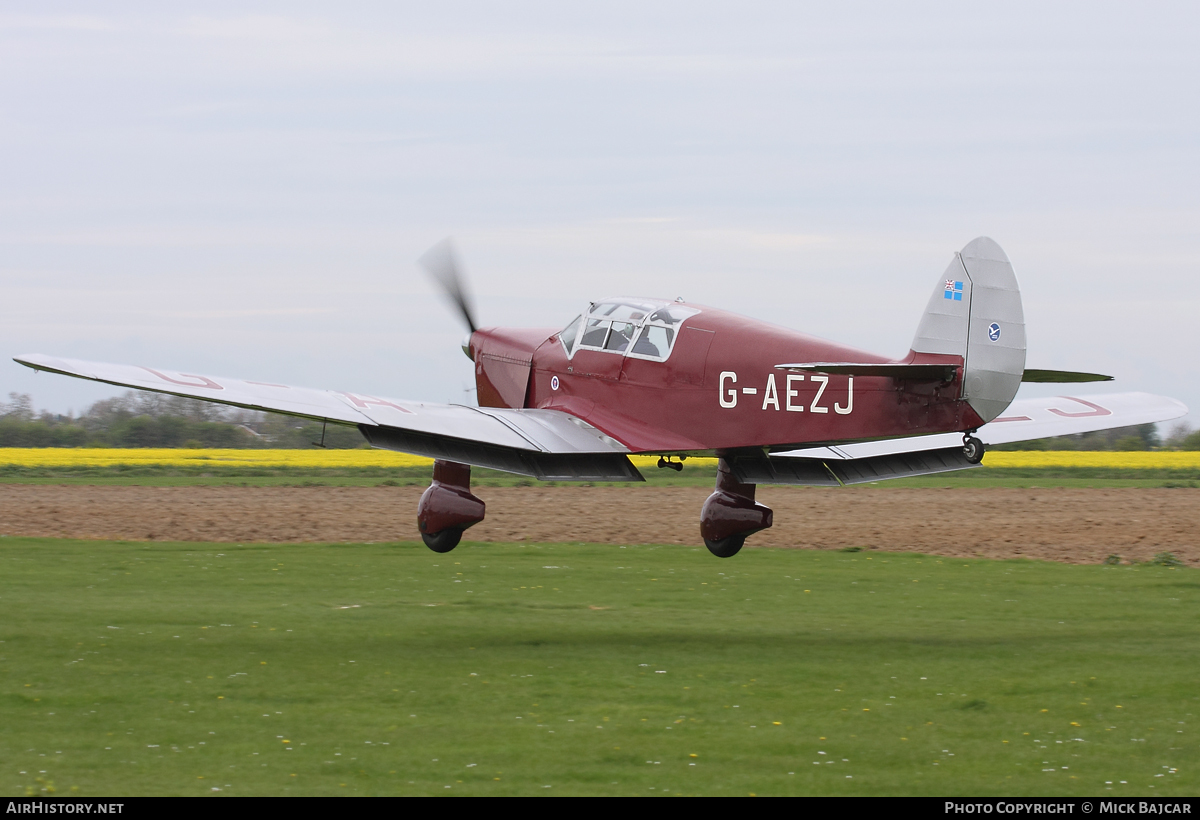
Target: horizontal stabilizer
[[1062, 377], [892, 370]]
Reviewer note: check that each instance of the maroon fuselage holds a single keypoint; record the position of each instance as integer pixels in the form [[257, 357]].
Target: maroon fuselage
[[719, 390]]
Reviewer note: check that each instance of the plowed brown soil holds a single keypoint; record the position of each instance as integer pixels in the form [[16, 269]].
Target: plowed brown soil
[[1081, 526]]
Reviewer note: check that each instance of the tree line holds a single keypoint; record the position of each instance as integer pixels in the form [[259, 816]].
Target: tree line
[[1138, 437], [138, 419]]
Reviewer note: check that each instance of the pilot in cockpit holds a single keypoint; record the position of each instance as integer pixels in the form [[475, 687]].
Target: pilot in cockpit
[[654, 341]]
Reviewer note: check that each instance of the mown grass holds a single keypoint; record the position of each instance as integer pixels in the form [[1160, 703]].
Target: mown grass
[[161, 668]]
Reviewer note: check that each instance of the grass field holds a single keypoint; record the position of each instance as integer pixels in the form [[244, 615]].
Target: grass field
[[161, 668]]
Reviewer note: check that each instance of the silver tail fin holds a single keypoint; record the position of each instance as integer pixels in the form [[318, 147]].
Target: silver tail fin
[[975, 312]]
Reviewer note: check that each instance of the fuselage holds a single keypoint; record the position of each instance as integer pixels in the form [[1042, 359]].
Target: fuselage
[[673, 377]]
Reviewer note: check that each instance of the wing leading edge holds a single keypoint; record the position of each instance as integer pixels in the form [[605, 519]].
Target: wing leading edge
[[545, 444]]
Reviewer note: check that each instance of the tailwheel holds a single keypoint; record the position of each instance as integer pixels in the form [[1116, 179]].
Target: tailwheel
[[973, 449], [442, 541], [726, 547]]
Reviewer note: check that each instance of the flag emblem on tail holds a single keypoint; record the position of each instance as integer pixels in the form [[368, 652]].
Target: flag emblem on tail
[[954, 290]]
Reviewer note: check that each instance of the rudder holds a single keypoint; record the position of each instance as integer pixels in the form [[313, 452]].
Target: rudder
[[976, 313]]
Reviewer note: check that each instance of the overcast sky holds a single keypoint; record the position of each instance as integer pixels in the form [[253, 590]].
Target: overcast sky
[[242, 189]]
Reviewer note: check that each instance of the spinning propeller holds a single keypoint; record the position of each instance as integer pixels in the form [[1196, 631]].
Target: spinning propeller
[[441, 263]]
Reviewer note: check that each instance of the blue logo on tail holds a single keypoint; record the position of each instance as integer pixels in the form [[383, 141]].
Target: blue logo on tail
[[994, 332], [954, 290]]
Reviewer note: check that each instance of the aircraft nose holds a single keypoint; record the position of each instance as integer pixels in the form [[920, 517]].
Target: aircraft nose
[[466, 346]]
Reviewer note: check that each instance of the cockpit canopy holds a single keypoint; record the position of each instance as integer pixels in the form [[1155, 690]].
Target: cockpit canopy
[[638, 328]]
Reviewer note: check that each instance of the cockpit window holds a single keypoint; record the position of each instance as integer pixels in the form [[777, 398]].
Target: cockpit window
[[656, 338], [638, 328], [621, 335], [629, 310], [594, 334], [654, 342], [567, 336], [672, 315]]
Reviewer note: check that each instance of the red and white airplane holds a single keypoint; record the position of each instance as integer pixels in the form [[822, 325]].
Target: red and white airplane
[[676, 379]]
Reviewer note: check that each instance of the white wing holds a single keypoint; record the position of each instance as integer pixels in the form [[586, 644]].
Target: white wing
[[925, 455], [547, 444], [1030, 419], [1025, 420]]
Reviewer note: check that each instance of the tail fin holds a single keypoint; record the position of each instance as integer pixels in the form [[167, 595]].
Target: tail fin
[[975, 312]]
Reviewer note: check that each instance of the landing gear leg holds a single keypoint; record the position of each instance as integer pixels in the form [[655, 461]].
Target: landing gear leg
[[730, 514], [973, 449], [447, 507]]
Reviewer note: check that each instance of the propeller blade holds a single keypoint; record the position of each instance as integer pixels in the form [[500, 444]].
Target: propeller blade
[[441, 263]]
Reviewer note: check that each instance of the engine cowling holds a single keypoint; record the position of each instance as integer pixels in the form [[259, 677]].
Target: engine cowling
[[503, 362]]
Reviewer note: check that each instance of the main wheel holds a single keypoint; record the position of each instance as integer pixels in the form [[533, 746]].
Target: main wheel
[[973, 449], [726, 547], [443, 541]]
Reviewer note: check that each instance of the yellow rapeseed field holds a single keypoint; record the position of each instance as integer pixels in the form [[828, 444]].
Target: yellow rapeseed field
[[105, 457], [317, 459], [1129, 460]]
